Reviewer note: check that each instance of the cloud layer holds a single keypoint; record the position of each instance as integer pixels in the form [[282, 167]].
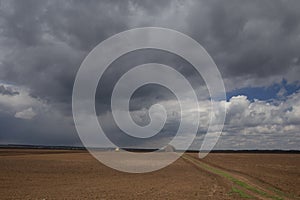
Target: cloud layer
[[254, 44]]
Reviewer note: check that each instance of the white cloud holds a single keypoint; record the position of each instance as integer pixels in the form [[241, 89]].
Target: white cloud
[[249, 124], [21, 101], [26, 114]]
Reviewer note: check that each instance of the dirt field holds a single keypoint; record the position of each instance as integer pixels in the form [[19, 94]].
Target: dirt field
[[55, 174], [281, 171]]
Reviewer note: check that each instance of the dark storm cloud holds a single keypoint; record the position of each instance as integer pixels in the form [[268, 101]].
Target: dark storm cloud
[[43, 130], [51, 38], [249, 38], [152, 94], [44, 42]]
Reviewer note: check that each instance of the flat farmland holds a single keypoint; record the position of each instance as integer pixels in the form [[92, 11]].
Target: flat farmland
[[280, 171], [64, 174]]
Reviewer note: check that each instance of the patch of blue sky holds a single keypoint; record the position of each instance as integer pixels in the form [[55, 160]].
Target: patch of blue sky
[[277, 91]]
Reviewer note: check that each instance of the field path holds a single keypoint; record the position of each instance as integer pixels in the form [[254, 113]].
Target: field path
[[246, 187]]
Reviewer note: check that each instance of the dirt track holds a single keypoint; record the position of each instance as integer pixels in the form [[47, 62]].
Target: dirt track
[[40, 174], [280, 171], [248, 180]]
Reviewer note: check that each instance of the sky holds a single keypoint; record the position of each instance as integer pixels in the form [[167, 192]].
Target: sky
[[254, 43]]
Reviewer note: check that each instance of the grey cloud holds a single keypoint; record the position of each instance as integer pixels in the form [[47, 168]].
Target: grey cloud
[[8, 91], [255, 39], [25, 114], [249, 38], [44, 42], [47, 129]]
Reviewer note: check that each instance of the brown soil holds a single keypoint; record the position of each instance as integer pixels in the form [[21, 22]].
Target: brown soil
[[41, 174], [281, 171], [61, 174]]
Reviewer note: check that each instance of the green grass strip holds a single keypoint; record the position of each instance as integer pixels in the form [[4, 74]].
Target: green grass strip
[[241, 193], [231, 178]]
